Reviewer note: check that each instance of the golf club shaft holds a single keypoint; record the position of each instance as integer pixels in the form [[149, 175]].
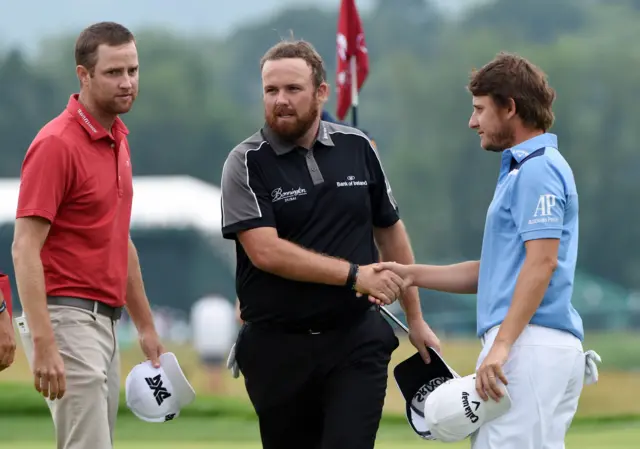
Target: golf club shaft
[[394, 319]]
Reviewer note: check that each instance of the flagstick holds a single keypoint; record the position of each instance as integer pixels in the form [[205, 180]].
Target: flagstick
[[354, 92]]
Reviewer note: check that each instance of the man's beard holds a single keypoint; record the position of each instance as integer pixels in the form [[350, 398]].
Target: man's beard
[[114, 107], [291, 131], [501, 139]]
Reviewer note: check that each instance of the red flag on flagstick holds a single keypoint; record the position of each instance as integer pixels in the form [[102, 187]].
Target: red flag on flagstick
[[353, 58], [5, 288]]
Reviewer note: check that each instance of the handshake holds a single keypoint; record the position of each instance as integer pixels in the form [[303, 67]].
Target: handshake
[[383, 282]]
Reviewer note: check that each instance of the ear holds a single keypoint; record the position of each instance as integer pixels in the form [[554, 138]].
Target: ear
[[323, 92], [510, 109], [83, 75]]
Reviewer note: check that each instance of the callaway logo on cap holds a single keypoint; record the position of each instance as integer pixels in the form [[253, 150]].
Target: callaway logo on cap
[[455, 410], [158, 394]]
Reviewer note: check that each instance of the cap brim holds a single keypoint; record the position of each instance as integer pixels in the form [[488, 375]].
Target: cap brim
[[416, 380], [159, 419], [185, 394]]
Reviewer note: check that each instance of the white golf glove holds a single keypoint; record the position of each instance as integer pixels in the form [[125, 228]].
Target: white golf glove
[[232, 364], [590, 367]]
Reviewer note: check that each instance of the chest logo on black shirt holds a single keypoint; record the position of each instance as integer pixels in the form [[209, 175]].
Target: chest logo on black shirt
[[351, 182], [287, 195]]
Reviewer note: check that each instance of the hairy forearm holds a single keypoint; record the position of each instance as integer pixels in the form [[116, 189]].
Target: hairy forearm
[[531, 286], [394, 246], [456, 278], [137, 302], [290, 261], [31, 289]]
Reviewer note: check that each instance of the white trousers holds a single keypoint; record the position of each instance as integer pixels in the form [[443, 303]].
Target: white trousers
[[545, 375]]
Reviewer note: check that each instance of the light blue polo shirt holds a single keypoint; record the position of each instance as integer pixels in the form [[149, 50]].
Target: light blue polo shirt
[[535, 198]]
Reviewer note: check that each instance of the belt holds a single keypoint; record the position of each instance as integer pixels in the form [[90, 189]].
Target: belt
[[86, 304], [311, 330]]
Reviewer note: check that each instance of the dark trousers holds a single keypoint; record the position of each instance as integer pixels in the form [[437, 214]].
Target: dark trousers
[[318, 391]]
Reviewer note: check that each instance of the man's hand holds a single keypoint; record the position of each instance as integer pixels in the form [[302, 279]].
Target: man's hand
[[421, 336], [490, 370], [151, 346], [7, 341], [399, 269], [382, 286], [48, 369]]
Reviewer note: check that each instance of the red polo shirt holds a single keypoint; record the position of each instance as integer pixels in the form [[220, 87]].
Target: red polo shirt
[[78, 176], [5, 288]]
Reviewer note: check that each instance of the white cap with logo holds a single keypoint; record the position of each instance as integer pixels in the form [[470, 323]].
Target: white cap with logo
[[455, 410], [158, 394]]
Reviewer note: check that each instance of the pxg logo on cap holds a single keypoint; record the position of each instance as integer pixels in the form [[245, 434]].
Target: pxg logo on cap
[[158, 394], [455, 410], [417, 381]]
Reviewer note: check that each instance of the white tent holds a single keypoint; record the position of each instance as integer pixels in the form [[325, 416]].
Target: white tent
[[174, 202]]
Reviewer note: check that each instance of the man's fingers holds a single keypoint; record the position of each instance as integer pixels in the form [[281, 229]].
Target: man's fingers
[[394, 288], [62, 385], [53, 388], [44, 383], [397, 279], [493, 389], [480, 386], [424, 353], [36, 381], [501, 376], [384, 297]]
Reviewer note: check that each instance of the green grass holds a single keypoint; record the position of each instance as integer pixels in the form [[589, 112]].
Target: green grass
[[201, 433], [221, 433]]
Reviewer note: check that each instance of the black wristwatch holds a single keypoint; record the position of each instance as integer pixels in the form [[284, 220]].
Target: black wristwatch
[[3, 306]]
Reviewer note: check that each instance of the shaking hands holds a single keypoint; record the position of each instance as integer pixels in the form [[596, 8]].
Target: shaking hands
[[383, 282]]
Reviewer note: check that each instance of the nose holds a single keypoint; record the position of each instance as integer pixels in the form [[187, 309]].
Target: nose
[[126, 82], [473, 122], [282, 98]]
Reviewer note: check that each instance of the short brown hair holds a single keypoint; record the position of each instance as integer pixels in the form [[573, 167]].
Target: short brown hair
[[298, 49], [109, 33], [511, 76]]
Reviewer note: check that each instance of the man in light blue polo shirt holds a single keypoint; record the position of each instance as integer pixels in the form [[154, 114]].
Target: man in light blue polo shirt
[[531, 334]]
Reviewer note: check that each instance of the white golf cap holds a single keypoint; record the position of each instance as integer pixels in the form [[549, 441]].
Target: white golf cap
[[454, 410], [417, 381], [158, 394]]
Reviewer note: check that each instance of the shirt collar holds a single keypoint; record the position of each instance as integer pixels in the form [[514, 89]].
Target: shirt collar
[[281, 146], [90, 124], [524, 149]]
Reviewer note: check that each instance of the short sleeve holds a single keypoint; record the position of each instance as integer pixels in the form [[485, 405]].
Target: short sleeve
[[45, 178], [385, 209], [246, 203], [538, 200]]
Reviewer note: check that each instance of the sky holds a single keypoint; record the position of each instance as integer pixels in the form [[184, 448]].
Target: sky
[[25, 23]]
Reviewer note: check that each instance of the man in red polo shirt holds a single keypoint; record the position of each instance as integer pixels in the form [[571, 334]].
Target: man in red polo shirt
[[76, 266], [7, 334]]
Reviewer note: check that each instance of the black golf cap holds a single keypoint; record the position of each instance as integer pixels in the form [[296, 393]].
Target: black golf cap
[[417, 380]]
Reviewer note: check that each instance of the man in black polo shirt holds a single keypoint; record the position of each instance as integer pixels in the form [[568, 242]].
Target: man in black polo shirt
[[308, 205]]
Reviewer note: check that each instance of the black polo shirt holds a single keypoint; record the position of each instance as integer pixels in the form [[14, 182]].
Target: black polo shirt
[[327, 199]]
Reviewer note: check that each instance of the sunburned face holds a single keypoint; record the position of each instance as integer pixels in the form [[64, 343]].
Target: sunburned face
[[291, 102], [492, 124]]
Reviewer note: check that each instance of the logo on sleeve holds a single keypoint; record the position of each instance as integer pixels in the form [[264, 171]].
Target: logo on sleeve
[[544, 210]]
